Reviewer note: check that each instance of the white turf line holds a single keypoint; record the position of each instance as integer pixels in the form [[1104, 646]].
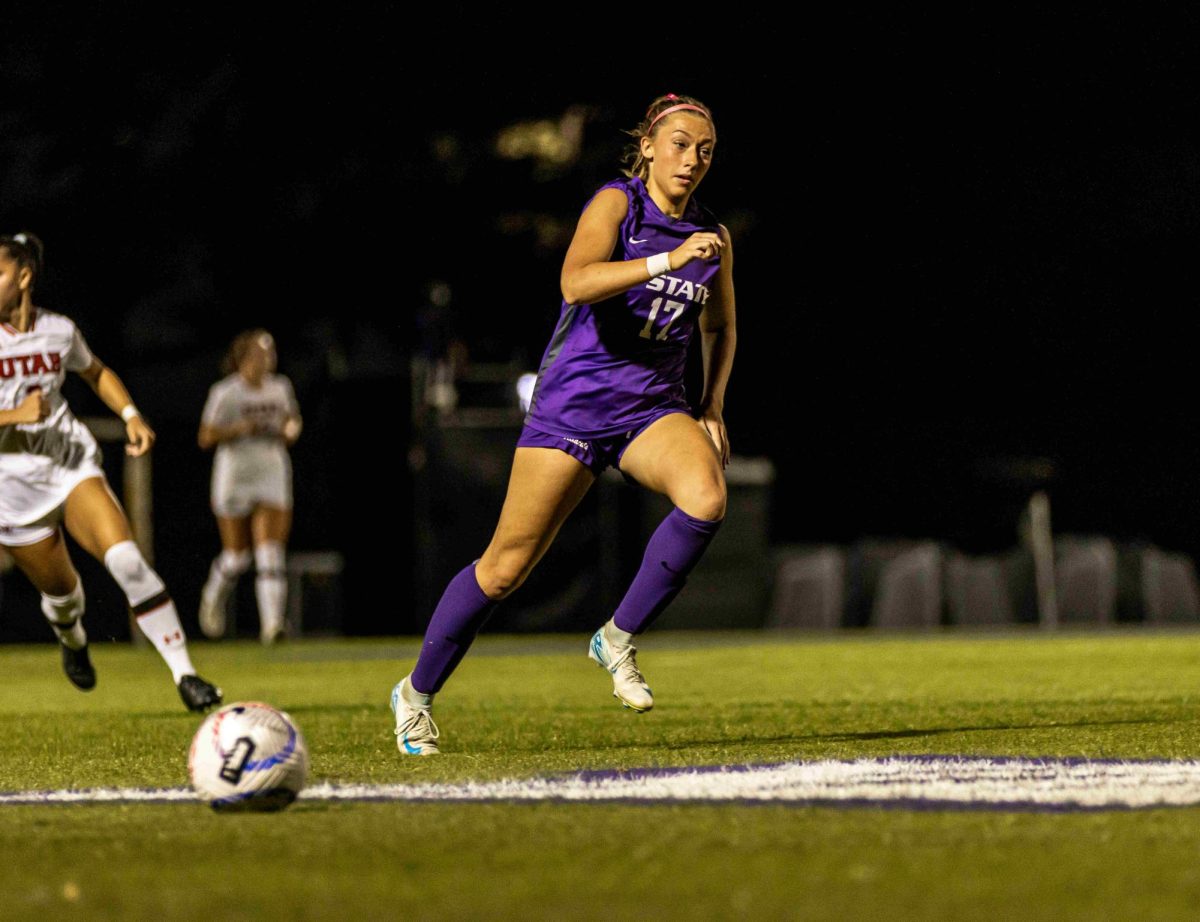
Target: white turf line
[[1045, 784]]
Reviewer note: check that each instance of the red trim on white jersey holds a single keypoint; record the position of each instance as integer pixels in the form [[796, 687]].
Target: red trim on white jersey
[[15, 332]]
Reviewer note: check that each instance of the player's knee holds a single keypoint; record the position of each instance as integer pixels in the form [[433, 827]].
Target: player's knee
[[234, 563], [131, 572], [125, 561], [504, 576], [270, 558], [705, 501]]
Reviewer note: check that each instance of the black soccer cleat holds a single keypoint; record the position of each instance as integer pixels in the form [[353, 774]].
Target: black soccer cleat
[[78, 667], [197, 694]]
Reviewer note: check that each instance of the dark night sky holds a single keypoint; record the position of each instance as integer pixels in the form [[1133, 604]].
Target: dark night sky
[[960, 242]]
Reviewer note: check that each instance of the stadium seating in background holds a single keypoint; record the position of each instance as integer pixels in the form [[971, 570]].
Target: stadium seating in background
[[977, 590], [1085, 577], [810, 588], [893, 583], [909, 589], [460, 471], [921, 584], [1169, 588]]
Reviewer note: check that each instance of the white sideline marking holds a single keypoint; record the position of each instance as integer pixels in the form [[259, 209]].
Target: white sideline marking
[[1039, 784]]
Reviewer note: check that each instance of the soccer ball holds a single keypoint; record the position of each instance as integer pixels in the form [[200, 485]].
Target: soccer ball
[[248, 756]]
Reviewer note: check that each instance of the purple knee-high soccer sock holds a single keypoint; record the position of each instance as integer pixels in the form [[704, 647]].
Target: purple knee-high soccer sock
[[674, 549], [463, 609]]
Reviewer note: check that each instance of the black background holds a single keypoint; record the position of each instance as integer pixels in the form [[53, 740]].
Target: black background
[[962, 244]]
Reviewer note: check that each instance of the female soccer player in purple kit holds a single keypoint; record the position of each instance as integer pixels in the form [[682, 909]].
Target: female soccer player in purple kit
[[646, 263]]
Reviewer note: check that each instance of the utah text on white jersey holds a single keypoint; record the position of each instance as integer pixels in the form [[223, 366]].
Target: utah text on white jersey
[[40, 463]]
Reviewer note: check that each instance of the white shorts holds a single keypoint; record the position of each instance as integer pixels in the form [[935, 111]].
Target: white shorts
[[24, 535], [47, 524], [239, 487]]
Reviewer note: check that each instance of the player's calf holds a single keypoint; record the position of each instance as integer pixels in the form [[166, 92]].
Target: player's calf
[[214, 599], [270, 587], [158, 619]]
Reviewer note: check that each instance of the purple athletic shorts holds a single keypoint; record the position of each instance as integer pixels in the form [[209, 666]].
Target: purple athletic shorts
[[594, 454]]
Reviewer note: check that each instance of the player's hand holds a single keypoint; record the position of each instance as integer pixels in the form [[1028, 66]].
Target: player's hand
[[701, 245], [243, 427], [140, 436], [34, 408], [291, 430], [714, 425], [268, 428]]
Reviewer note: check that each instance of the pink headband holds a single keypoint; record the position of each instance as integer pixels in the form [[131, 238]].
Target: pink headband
[[682, 105]]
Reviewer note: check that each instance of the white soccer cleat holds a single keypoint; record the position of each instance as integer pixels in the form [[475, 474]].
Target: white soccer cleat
[[416, 733], [629, 687], [212, 617]]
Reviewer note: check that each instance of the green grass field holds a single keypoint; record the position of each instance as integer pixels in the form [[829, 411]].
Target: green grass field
[[525, 706]]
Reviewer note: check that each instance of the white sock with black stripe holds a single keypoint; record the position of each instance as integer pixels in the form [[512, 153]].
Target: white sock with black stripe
[[270, 587], [65, 614], [223, 576], [151, 603]]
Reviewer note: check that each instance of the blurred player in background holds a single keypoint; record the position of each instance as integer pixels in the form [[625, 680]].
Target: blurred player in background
[[251, 418], [50, 476], [646, 265]]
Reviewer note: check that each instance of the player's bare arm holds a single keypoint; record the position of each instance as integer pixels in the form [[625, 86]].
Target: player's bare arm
[[292, 427], [110, 389], [718, 339], [212, 436], [33, 409], [588, 276]]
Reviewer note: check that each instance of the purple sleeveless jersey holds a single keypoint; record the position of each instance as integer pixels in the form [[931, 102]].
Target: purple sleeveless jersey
[[612, 365]]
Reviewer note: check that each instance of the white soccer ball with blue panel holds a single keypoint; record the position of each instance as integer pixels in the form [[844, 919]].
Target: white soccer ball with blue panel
[[248, 756]]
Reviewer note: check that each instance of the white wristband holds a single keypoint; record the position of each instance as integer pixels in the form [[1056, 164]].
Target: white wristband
[[129, 412], [657, 264]]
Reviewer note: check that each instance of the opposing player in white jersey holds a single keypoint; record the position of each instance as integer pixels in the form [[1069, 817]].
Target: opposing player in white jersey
[[50, 477], [252, 418]]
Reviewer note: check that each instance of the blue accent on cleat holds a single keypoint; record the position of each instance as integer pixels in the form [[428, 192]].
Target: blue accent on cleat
[[629, 686], [416, 719], [598, 648]]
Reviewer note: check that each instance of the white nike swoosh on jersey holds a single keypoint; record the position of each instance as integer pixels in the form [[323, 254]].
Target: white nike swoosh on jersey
[[631, 240]]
